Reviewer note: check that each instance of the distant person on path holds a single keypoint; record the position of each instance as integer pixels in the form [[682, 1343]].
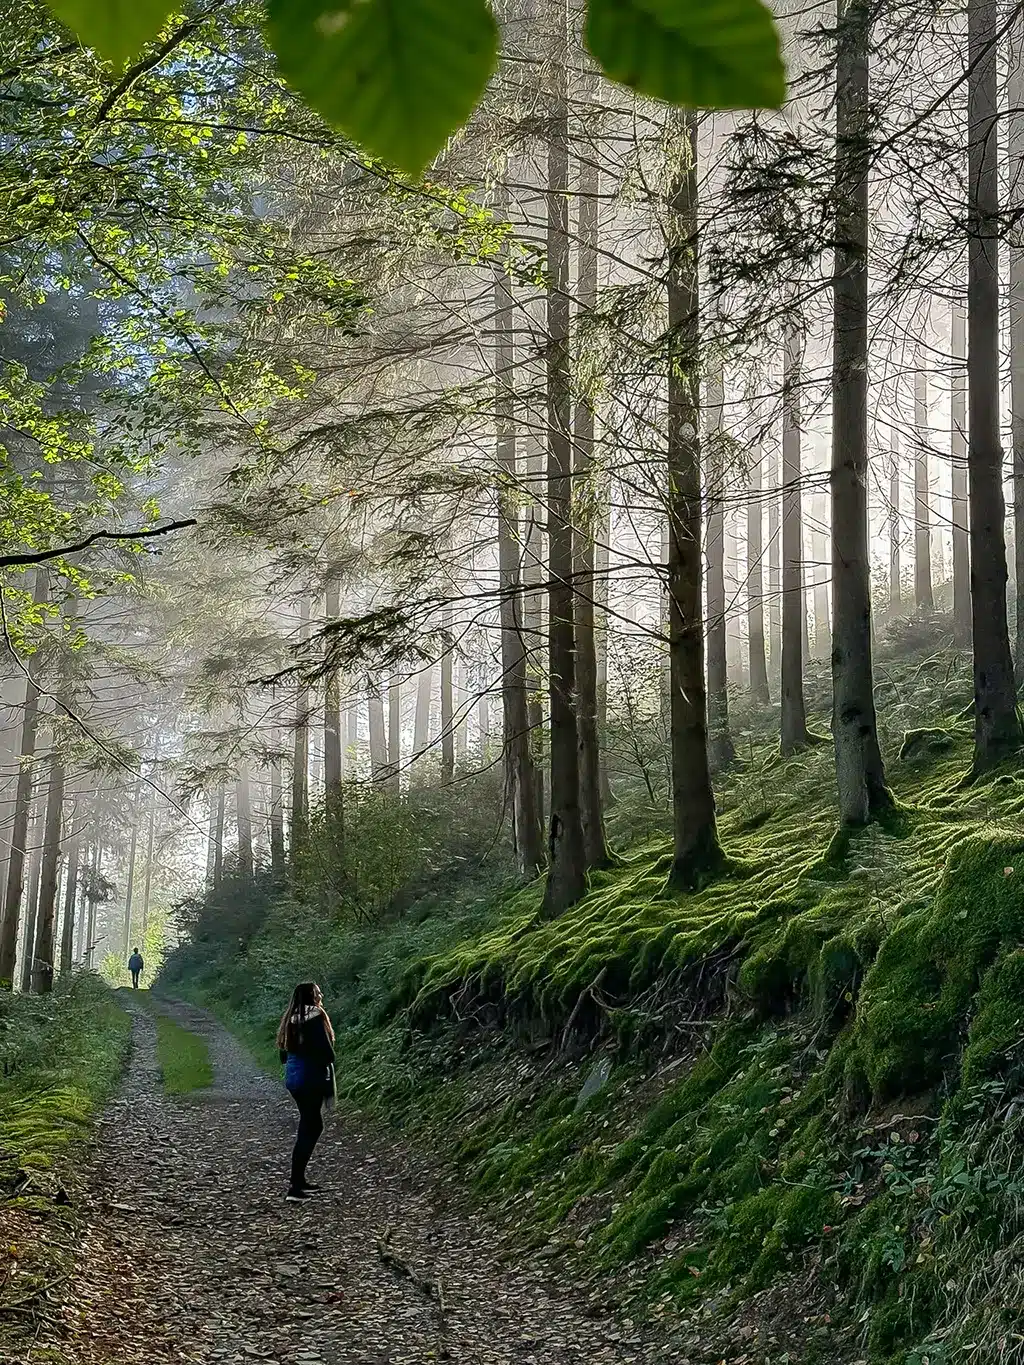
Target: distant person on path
[[135, 966], [306, 1043]]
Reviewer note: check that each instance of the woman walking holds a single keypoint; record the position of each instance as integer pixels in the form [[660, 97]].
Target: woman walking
[[306, 1043]]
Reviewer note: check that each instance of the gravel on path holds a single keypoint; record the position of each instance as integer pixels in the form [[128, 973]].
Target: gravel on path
[[190, 1253]]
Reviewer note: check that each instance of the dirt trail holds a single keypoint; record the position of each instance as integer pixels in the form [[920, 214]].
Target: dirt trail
[[191, 1254]]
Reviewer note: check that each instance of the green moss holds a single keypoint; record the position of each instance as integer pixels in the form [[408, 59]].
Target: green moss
[[915, 1001], [60, 1057], [752, 1022], [183, 1058], [766, 1229], [999, 1019], [926, 743]]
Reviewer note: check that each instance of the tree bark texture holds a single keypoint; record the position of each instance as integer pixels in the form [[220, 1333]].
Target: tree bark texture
[[587, 501], [567, 873], [794, 713], [520, 772], [14, 891], [958, 459], [758, 662], [44, 960], [719, 738], [996, 724], [859, 771], [924, 598], [695, 846]]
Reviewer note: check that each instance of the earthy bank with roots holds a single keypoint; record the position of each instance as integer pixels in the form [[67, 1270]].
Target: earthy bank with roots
[[781, 1113]]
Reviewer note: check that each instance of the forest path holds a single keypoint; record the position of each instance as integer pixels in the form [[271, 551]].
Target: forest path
[[192, 1255]]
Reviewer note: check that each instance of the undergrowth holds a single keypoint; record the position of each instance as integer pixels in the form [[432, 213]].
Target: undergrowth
[[805, 1078], [61, 1056]]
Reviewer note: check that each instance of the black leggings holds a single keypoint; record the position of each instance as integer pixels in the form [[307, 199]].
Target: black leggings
[[311, 1125]]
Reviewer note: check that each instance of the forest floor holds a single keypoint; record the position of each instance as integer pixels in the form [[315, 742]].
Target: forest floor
[[190, 1253]]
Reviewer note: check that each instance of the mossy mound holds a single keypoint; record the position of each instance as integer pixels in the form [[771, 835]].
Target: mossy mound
[[914, 1007], [929, 742], [797, 921]]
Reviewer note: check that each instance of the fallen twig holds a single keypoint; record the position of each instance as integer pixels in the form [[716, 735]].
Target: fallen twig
[[389, 1257]]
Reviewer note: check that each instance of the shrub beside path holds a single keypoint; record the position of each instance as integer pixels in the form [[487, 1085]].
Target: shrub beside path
[[190, 1253]]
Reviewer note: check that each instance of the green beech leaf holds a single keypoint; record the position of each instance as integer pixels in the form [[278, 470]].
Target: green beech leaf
[[117, 29], [397, 76], [709, 54]]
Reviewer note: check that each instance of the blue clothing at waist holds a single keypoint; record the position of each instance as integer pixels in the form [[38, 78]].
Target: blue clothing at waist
[[301, 1073]]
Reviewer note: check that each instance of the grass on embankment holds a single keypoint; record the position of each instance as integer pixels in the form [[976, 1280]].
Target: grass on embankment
[[816, 1082], [61, 1057]]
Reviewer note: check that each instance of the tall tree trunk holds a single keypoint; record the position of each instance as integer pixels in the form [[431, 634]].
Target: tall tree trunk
[[300, 754], [520, 772], [129, 893], [859, 771], [733, 630], [28, 946], [333, 761], [90, 932], [758, 662], [534, 575], [696, 851], [794, 712], [10, 706], [822, 559], [395, 734], [996, 724], [895, 532], [46, 915], [958, 458], [1015, 150], [461, 699], [722, 751], [587, 500], [774, 570], [447, 705], [602, 551], [243, 822], [665, 601], [218, 836], [421, 720], [147, 887], [334, 749], [84, 885], [14, 890], [483, 720], [211, 840], [567, 873], [277, 850], [378, 734], [924, 598], [67, 936]]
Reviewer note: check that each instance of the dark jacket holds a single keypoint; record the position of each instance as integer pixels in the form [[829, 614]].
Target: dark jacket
[[135, 962], [309, 1058]]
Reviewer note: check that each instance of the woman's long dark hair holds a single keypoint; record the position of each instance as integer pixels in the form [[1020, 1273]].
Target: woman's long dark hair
[[289, 1032]]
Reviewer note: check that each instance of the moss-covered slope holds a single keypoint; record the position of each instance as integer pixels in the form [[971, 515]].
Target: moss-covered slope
[[781, 1110]]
